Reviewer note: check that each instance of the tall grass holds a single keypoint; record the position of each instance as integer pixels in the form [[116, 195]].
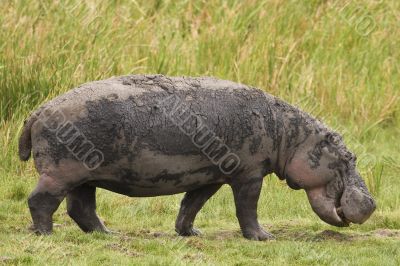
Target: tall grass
[[303, 51]]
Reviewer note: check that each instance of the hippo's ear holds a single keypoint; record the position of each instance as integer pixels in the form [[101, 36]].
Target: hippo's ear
[[333, 138]]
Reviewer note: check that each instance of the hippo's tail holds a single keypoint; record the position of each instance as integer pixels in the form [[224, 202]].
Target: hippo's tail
[[25, 141]]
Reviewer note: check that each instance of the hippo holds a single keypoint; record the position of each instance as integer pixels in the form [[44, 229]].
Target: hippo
[[153, 135]]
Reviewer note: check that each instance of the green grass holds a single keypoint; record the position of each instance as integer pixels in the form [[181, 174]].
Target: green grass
[[306, 52]]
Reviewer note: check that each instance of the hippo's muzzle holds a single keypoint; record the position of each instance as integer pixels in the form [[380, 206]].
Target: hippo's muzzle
[[355, 206]]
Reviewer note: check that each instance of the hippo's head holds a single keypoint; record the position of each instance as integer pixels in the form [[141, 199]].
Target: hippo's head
[[326, 170]]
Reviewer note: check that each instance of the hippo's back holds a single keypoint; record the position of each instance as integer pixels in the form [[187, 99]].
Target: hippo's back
[[130, 107], [135, 86]]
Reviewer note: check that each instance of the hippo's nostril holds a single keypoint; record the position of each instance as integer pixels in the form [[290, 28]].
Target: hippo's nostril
[[357, 204], [373, 204]]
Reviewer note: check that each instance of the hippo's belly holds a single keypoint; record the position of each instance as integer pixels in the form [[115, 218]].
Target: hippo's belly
[[133, 184], [154, 174]]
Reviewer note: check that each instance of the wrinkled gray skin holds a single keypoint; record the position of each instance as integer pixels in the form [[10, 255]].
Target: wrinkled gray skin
[[145, 154]]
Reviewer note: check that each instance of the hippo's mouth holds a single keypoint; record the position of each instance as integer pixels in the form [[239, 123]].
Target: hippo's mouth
[[327, 208], [292, 184], [344, 220]]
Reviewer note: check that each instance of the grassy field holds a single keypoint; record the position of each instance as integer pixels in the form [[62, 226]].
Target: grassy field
[[313, 53]]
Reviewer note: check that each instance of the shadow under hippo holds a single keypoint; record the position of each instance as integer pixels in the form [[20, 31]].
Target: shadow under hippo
[[152, 135]]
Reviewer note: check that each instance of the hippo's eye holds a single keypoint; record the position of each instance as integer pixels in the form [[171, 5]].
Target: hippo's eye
[[350, 157]]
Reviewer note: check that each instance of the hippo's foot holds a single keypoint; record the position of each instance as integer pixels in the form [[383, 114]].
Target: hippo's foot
[[188, 232], [260, 235], [40, 231]]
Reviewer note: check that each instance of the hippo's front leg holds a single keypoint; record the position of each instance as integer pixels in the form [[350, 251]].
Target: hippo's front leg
[[246, 196], [190, 206]]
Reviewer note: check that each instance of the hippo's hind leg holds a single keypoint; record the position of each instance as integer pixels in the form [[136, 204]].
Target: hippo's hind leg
[[81, 207], [43, 202], [190, 206], [246, 196]]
